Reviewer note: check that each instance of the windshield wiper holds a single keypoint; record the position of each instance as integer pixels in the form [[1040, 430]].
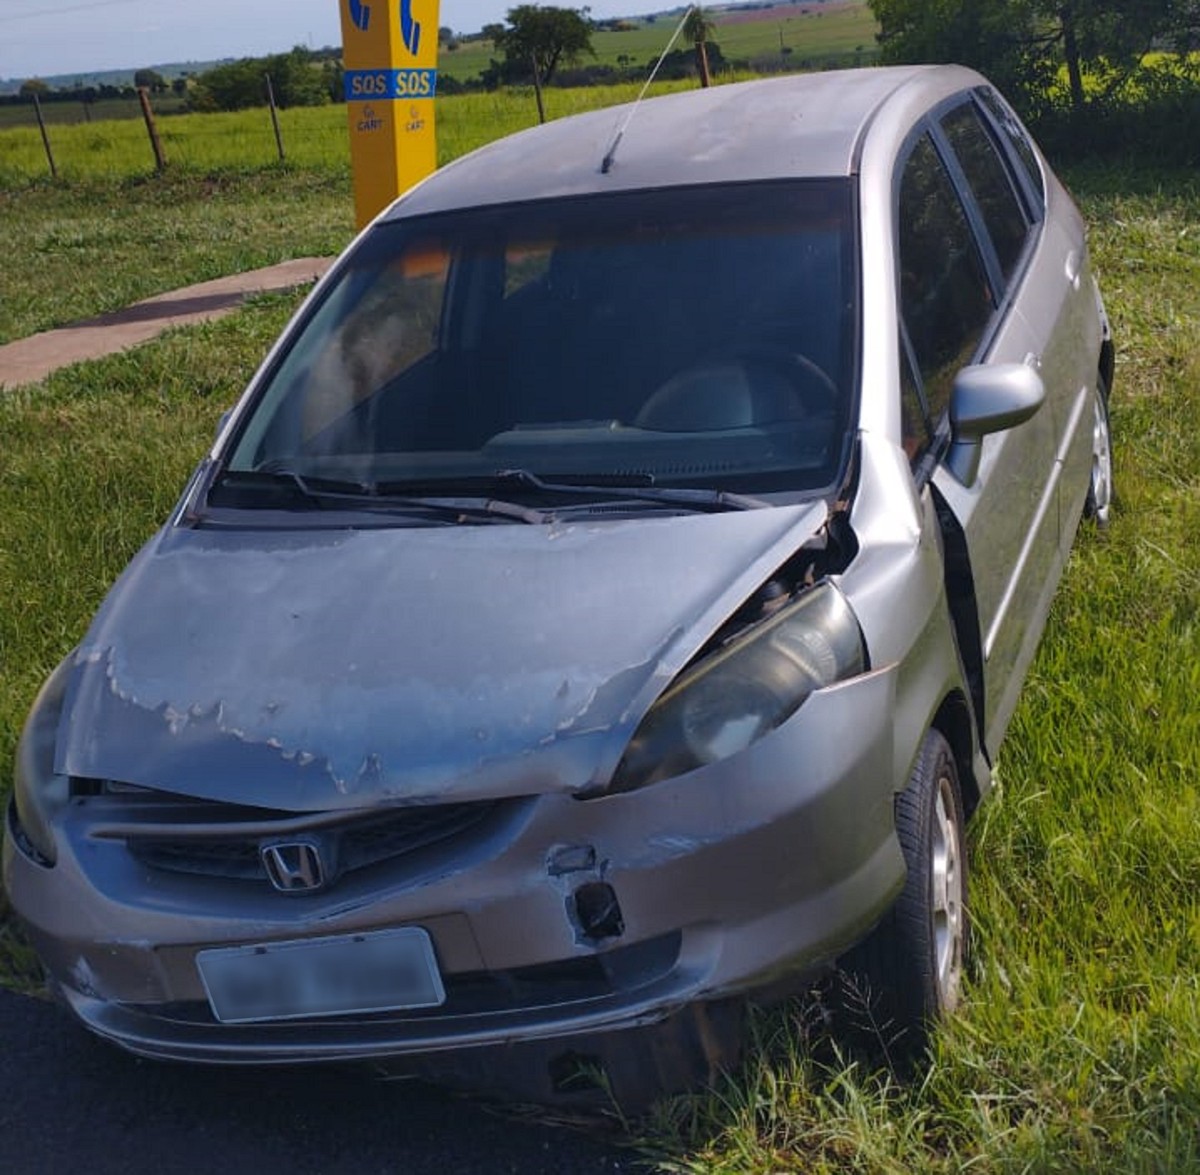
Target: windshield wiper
[[642, 490], [326, 493]]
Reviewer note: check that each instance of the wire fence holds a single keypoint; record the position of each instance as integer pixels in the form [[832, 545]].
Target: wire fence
[[312, 137], [119, 146]]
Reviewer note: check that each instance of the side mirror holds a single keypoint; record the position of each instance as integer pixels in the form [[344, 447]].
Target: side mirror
[[988, 398]]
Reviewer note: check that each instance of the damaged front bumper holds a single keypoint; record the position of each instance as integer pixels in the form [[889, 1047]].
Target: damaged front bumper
[[549, 916]]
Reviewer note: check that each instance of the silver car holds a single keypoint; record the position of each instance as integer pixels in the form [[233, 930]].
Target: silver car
[[604, 606]]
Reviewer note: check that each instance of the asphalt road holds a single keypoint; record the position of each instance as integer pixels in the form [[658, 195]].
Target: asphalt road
[[69, 1103]]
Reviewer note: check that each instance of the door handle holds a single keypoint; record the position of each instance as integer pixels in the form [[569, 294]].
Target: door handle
[[1074, 267]]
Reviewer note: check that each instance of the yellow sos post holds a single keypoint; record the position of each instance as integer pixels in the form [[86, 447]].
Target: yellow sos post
[[390, 53]]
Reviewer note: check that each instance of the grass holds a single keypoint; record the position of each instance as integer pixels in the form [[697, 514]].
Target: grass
[[72, 251], [69, 113], [1078, 1046]]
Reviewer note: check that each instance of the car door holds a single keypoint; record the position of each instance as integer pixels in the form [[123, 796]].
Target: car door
[[1059, 305], [965, 239]]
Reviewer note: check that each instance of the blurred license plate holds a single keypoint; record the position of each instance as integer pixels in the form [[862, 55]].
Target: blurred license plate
[[384, 971]]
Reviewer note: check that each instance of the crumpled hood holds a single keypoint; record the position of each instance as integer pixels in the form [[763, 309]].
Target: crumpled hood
[[309, 670]]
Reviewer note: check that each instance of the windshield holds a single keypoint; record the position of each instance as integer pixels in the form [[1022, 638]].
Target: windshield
[[689, 337]]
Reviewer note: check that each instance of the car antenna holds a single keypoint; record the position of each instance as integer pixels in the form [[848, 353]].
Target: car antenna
[[607, 162]]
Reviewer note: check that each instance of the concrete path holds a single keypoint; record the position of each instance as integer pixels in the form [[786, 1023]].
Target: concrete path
[[28, 360]]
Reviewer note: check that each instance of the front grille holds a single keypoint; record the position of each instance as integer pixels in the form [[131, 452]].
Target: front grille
[[214, 859], [179, 835]]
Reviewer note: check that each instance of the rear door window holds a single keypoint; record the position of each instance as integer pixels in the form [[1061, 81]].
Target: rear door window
[[991, 185], [1016, 137]]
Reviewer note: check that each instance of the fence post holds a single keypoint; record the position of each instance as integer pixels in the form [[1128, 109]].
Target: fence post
[[274, 117], [160, 160], [37, 106]]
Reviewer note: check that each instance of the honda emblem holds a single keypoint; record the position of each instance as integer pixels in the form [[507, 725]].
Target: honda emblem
[[294, 866]]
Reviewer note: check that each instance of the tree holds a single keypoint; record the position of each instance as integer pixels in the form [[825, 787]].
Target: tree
[[296, 78], [1022, 45], [34, 87], [538, 39], [149, 79], [698, 27]]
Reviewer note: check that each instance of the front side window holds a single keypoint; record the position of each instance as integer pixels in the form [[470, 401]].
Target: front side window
[[698, 336], [945, 296]]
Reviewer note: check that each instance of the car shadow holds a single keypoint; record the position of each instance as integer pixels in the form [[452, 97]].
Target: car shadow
[[69, 1102]]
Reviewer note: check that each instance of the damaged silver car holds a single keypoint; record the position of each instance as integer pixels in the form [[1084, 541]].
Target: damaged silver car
[[604, 606]]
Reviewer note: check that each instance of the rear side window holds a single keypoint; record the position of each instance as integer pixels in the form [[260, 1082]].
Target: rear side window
[[989, 180], [1017, 138], [945, 297]]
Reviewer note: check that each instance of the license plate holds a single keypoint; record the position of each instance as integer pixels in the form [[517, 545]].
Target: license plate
[[382, 971]]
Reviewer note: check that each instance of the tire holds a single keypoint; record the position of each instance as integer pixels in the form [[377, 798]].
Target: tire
[[1100, 487], [908, 973]]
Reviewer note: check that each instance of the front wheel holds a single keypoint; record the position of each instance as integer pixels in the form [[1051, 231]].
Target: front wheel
[[908, 973], [1100, 488]]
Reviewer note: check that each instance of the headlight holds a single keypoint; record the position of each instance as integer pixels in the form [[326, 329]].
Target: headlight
[[730, 699], [40, 794]]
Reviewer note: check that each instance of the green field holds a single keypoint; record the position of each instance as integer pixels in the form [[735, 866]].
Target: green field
[[68, 113], [315, 137], [789, 36], [812, 32], [1078, 1048]]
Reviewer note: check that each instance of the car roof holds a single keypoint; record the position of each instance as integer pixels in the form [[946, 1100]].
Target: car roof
[[798, 126]]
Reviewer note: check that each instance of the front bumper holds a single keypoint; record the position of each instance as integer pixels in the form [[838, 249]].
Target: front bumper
[[734, 878]]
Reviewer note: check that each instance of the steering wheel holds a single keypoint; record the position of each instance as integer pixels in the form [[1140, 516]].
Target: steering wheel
[[721, 391]]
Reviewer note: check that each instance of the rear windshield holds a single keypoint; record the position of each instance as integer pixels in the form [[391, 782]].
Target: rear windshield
[[698, 337]]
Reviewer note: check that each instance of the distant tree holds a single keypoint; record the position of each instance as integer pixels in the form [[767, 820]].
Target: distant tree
[[334, 80], [698, 27], [180, 86], [538, 39], [296, 78], [149, 79], [445, 35], [32, 86], [680, 64]]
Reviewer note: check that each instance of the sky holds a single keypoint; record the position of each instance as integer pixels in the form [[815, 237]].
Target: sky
[[48, 37]]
